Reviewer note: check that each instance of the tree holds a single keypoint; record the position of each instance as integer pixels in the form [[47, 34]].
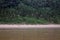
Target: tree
[[8, 3]]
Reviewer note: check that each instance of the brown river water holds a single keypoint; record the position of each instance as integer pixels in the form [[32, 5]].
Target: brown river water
[[30, 34]]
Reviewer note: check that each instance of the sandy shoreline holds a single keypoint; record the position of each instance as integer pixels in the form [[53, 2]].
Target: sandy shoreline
[[29, 26]]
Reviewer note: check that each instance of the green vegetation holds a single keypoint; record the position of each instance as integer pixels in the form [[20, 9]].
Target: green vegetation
[[23, 20], [30, 11]]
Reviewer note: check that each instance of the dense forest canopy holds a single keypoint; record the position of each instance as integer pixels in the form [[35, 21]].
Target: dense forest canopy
[[30, 11], [8, 3]]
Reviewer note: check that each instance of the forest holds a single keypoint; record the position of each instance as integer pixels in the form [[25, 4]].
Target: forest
[[29, 11]]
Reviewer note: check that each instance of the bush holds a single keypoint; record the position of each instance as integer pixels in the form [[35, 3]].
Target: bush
[[22, 20]]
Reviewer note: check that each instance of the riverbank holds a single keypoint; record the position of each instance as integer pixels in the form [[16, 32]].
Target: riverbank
[[29, 26]]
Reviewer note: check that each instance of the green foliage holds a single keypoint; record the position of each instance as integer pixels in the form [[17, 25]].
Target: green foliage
[[23, 20], [32, 12]]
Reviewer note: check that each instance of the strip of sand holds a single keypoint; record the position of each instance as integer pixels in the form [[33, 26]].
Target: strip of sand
[[29, 26]]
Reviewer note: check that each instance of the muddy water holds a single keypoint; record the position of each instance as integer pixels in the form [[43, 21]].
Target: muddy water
[[30, 34]]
